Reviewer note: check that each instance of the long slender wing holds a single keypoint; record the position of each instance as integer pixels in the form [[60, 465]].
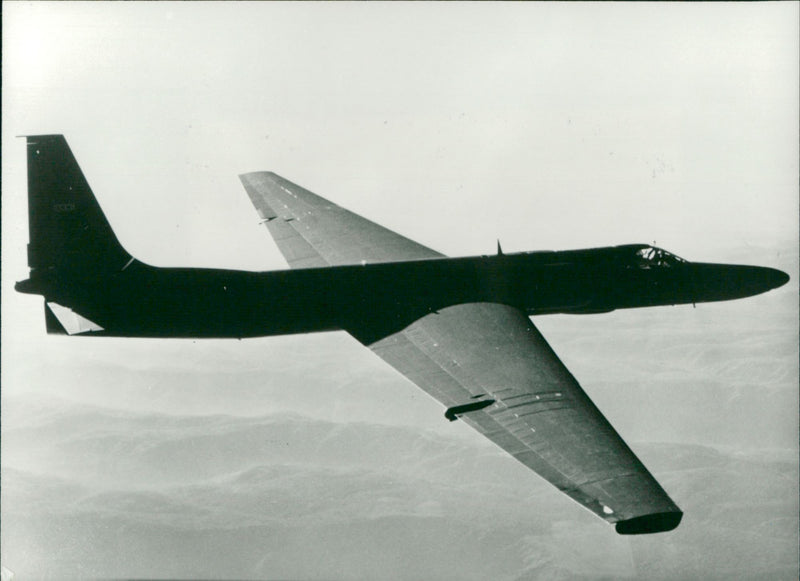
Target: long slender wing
[[310, 231], [486, 362], [493, 369]]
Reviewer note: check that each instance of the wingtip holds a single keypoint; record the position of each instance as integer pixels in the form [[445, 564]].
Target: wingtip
[[659, 522], [256, 173]]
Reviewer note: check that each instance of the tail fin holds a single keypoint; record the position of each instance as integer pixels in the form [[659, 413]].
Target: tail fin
[[68, 231]]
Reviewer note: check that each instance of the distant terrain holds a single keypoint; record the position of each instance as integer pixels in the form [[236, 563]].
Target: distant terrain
[[283, 458], [281, 497]]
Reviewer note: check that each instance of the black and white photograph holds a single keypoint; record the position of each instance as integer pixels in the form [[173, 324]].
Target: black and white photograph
[[400, 290]]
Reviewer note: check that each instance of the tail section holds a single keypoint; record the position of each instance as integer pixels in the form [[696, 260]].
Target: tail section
[[69, 233]]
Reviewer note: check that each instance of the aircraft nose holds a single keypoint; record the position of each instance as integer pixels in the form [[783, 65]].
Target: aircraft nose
[[754, 280], [727, 281], [777, 278]]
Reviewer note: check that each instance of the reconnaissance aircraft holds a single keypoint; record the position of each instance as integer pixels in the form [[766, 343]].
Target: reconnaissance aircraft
[[457, 327]]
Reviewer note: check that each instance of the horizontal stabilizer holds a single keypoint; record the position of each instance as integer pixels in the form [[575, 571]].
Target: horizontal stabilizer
[[54, 327], [71, 322]]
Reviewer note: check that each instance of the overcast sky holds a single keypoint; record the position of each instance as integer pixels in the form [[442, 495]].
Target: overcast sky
[[555, 125]]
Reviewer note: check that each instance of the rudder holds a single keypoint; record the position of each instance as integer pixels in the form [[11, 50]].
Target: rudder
[[68, 231]]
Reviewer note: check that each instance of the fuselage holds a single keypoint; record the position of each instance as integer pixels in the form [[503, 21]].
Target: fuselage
[[147, 301]]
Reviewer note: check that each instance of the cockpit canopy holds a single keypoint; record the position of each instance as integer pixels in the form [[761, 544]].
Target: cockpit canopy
[[652, 257]]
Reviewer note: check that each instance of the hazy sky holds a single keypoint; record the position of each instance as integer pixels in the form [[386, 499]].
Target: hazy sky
[[556, 125], [545, 125]]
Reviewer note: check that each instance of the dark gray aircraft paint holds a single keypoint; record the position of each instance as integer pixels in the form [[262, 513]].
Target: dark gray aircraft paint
[[457, 327]]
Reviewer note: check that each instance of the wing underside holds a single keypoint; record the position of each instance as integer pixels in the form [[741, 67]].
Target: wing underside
[[490, 361], [487, 363]]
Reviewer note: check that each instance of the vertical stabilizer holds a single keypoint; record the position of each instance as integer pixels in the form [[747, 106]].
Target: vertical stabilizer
[[68, 231]]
